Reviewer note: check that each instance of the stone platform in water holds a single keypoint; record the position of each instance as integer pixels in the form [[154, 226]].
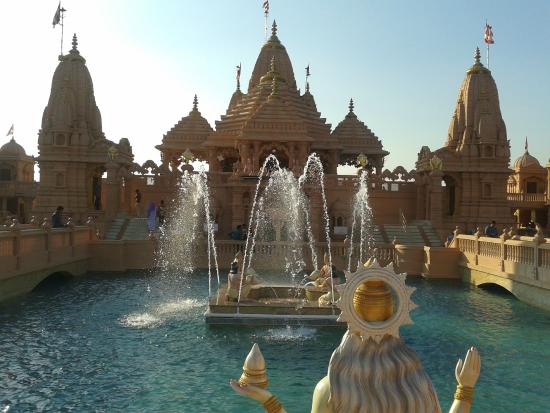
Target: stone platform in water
[[272, 305]]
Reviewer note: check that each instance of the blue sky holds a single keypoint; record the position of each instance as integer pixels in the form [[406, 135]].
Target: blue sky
[[401, 61]]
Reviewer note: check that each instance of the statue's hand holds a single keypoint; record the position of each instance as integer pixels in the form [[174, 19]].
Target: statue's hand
[[467, 373], [251, 391]]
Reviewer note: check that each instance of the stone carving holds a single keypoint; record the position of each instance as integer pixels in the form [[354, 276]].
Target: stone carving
[[436, 164], [112, 152], [372, 369]]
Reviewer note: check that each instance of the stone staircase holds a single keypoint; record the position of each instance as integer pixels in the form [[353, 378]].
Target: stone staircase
[[429, 232], [117, 227], [136, 229], [409, 235]]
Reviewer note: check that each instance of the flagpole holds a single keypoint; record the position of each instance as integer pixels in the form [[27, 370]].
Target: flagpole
[[62, 13], [265, 25], [487, 55]]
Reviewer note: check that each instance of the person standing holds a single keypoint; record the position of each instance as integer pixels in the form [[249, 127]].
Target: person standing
[[491, 230], [161, 213], [138, 203], [152, 218], [57, 218]]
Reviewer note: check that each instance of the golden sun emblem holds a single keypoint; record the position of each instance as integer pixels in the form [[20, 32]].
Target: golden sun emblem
[[400, 301]]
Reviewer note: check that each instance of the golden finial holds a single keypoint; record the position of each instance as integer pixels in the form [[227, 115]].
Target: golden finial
[[351, 106], [274, 29], [254, 369], [75, 43], [477, 56], [195, 103]]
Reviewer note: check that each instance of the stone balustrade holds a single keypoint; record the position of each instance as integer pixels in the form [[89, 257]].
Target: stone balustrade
[[521, 265], [270, 255], [28, 255], [524, 197]]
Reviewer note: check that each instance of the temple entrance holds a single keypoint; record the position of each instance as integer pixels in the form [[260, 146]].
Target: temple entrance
[[281, 156], [95, 188], [449, 195]]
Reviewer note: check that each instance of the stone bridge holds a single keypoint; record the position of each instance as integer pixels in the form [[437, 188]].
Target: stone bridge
[[30, 255], [520, 265]]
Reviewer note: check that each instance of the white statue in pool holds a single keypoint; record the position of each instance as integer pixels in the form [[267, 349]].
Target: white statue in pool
[[372, 370]]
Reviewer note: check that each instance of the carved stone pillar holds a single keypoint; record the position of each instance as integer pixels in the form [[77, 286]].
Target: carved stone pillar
[[113, 190], [436, 213]]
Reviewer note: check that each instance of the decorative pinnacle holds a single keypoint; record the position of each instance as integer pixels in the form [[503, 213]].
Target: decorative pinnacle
[[195, 103], [75, 43], [351, 106], [307, 87], [526, 145], [272, 67], [274, 29], [274, 89], [477, 56]]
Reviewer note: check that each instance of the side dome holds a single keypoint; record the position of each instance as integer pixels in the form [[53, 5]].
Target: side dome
[[12, 148], [356, 137], [190, 132], [526, 160], [273, 48]]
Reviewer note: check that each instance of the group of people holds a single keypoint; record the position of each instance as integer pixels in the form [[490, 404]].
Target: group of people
[[154, 212]]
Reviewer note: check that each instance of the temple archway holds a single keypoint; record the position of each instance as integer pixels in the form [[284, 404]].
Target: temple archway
[[450, 195]]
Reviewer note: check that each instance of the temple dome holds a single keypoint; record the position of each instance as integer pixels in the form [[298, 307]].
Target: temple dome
[[273, 48], [72, 102], [189, 132], [354, 135], [12, 148], [526, 160], [477, 118]]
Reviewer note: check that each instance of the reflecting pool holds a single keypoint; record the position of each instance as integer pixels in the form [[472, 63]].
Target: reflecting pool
[[138, 343]]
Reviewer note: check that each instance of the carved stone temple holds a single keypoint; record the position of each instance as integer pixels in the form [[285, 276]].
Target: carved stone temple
[[467, 182]]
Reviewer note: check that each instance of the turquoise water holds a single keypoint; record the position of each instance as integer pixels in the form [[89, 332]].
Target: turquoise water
[[138, 343]]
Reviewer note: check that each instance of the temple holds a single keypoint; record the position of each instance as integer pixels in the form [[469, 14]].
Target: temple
[[467, 182]]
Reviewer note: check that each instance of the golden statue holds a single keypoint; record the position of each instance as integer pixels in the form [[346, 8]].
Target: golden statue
[[112, 152], [436, 164], [372, 370]]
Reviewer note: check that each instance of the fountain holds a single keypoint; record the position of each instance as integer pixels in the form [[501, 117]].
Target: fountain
[[279, 233]]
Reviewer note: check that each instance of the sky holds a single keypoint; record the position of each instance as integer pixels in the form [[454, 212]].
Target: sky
[[401, 61]]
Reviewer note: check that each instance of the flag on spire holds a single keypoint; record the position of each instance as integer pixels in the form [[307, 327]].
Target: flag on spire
[[57, 15], [238, 72], [266, 7], [308, 73], [10, 132], [488, 35]]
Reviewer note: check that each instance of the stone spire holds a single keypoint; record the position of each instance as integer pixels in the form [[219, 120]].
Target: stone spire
[[273, 48], [75, 44], [477, 128], [350, 106], [195, 104]]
